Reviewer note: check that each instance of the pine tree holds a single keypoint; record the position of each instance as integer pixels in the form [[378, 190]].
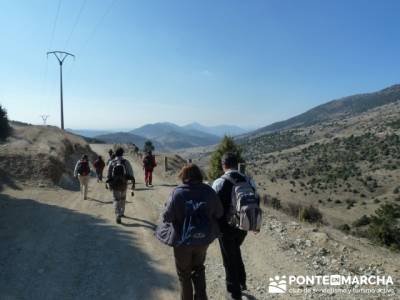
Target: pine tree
[[148, 146], [5, 129], [227, 145]]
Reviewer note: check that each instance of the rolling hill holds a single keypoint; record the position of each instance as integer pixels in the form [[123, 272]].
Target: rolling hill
[[340, 108], [219, 130], [172, 136], [127, 138]]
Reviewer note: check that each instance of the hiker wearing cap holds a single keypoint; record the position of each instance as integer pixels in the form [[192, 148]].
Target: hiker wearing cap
[[82, 172], [242, 213], [149, 163], [119, 173], [99, 165], [189, 225]]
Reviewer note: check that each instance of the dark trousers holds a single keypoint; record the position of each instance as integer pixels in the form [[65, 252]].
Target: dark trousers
[[235, 273], [99, 173], [189, 261]]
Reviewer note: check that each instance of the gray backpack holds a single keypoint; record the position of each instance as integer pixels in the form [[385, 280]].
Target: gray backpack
[[245, 212]]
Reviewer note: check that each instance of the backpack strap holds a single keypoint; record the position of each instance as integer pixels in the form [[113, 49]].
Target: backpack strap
[[229, 178], [235, 181]]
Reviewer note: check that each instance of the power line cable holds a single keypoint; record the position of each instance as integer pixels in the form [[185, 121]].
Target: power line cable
[[53, 31], [98, 24], [75, 23], [55, 24]]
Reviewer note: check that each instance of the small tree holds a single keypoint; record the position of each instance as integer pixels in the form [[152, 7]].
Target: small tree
[[227, 145], [148, 146], [384, 227], [5, 128]]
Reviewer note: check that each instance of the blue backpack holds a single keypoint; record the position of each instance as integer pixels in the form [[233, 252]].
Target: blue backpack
[[196, 226]]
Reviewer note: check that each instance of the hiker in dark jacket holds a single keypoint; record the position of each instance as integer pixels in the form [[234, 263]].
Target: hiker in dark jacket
[[149, 163], [232, 237], [192, 205], [82, 173], [99, 165]]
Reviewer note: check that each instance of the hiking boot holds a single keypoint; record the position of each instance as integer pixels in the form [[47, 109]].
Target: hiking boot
[[118, 220]]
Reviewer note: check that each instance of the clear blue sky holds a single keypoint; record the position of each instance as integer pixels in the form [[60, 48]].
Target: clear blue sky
[[245, 62]]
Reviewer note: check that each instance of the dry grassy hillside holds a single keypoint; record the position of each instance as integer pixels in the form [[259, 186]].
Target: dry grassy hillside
[[345, 167], [41, 155]]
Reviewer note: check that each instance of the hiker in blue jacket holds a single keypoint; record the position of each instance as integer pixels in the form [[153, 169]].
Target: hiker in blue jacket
[[189, 225]]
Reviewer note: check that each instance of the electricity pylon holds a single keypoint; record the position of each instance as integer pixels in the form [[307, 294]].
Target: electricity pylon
[[61, 56], [44, 118]]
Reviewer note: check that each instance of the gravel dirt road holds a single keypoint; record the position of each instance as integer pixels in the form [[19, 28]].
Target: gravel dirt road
[[54, 245]]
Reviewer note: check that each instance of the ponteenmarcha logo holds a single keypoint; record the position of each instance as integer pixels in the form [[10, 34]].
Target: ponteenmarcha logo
[[277, 285], [280, 284]]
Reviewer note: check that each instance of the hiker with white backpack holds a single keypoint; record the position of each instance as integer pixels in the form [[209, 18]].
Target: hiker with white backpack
[[189, 225], [242, 213], [82, 173], [119, 173]]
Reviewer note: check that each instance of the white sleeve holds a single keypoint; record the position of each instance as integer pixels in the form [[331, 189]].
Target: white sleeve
[[253, 184], [217, 184], [76, 169]]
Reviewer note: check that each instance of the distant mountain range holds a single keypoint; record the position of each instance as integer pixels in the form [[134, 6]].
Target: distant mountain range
[[172, 136], [88, 132], [165, 135], [127, 138], [219, 130], [344, 107]]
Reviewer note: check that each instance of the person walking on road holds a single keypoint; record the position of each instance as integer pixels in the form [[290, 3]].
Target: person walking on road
[[149, 163], [233, 231], [82, 173], [189, 225], [99, 165], [119, 173]]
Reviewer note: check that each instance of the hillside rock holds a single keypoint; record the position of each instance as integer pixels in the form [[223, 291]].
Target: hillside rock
[[42, 155]]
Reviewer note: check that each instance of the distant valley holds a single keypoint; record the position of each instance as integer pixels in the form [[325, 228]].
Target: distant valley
[[166, 136]]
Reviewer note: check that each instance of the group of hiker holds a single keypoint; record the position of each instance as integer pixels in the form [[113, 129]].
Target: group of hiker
[[119, 173], [194, 216]]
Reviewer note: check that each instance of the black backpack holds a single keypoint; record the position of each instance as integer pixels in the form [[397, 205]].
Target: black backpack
[[83, 168], [119, 179]]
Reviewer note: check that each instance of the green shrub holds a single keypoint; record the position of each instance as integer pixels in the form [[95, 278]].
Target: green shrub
[[227, 145], [275, 203], [148, 146], [384, 227], [364, 220], [5, 128], [344, 227], [310, 214], [396, 190]]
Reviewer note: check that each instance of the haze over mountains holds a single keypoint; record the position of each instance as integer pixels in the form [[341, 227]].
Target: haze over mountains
[[165, 135], [339, 108], [169, 136]]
